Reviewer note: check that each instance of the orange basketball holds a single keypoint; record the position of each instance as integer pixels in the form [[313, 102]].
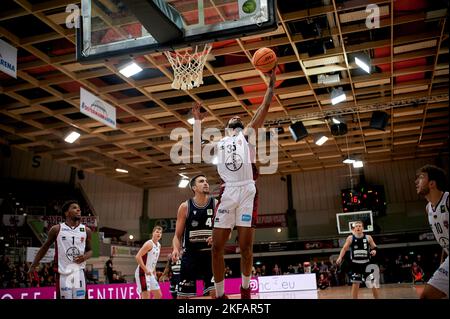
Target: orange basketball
[[264, 60]]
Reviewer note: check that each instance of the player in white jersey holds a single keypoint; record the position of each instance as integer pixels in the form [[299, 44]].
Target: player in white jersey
[[147, 258], [237, 205], [430, 183], [72, 249]]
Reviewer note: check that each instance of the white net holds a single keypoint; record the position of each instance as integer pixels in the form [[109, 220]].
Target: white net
[[188, 67]]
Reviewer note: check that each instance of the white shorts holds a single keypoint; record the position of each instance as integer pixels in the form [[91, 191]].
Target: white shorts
[[237, 207], [145, 282], [72, 286], [440, 278]]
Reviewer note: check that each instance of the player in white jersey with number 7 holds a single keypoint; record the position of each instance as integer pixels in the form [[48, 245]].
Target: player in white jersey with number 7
[[430, 183], [72, 249]]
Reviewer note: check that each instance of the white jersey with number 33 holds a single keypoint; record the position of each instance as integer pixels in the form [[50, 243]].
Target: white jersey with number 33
[[70, 243], [235, 159], [438, 219]]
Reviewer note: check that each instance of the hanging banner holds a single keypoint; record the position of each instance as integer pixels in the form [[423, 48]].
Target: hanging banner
[[97, 109], [8, 59]]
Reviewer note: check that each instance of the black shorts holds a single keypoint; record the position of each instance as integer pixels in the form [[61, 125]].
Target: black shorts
[[195, 266], [359, 272]]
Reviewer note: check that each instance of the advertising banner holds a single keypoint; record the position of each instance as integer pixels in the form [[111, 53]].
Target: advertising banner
[[97, 109], [8, 59], [114, 291]]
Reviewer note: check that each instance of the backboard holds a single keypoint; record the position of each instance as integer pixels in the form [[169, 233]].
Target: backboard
[[111, 28], [345, 220]]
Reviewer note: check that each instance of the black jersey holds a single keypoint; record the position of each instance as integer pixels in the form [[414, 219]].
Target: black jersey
[[198, 226], [360, 250]]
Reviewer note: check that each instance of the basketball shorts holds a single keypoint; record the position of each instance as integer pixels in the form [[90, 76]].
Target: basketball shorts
[[439, 280], [145, 282], [195, 266], [365, 272], [237, 207], [71, 286]]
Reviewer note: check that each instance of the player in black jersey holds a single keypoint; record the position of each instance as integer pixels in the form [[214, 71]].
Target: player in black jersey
[[172, 273], [362, 248], [193, 238]]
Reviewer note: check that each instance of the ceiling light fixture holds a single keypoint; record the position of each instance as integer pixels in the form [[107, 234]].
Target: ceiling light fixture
[[321, 140], [191, 121], [298, 131], [183, 183], [121, 170], [335, 120], [130, 69], [348, 161], [358, 164], [363, 62], [72, 137], [338, 96]]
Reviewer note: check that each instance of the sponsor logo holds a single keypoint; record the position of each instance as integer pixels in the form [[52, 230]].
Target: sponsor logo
[[72, 253], [253, 285], [80, 293], [246, 218], [195, 212], [82, 229], [233, 162], [209, 212]]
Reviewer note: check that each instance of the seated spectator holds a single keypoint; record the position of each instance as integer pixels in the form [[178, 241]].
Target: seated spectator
[[323, 283], [119, 279], [417, 273], [276, 271], [300, 269], [263, 270], [291, 269], [323, 268]]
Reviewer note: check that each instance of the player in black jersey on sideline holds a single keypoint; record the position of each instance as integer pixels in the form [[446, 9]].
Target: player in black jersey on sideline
[[172, 273], [362, 248], [193, 238]]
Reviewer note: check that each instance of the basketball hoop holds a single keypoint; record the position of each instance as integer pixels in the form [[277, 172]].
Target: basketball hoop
[[188, 67]]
